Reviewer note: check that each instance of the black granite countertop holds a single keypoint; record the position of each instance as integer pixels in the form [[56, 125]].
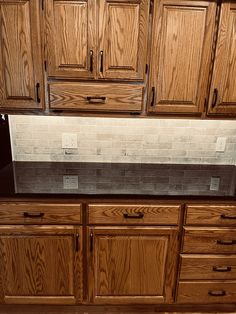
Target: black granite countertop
[[21, 179]]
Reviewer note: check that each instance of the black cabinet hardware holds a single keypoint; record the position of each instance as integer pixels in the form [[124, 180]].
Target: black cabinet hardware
[[153, 96], [219, 293], [91, 242], [37, 93], [226, 242], [224, 216], [135, 216], [91, 61], [77, 242], [101, 64], [30, 215], [222, 269], [214, 98], [96, 100]]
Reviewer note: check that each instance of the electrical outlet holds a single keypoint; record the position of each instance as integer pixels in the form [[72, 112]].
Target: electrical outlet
[[70, 182], [69, 140], [215, 184], [220, 144]]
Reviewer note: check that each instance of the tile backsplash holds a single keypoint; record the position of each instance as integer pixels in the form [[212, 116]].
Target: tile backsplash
[[127, 140]]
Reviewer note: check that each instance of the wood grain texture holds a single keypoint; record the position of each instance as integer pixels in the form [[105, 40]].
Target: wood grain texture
[[114, 214], [123, 34], [118, 97], [201, 267], [20, 54], [132, 265], [224, 72], [53, 213], [220, 215], [70, 35], [197, 292], [180, 55]]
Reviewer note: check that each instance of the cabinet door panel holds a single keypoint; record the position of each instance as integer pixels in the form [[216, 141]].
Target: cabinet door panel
[[223, 92], [70, 38], [20, 71], [132, 265], [123, 29], [181, 51]]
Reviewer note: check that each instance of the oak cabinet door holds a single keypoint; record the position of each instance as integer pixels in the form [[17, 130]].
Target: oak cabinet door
[[123, 33], [180, 55], [21, 68], [132, 265], [222, 98], [40, 265], [70, 38]]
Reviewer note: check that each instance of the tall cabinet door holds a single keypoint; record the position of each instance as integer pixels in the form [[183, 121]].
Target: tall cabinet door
[[21, 68], [40, 265], [182, 39], [132, 265], [123, 33], [70, 38], [223, 87]]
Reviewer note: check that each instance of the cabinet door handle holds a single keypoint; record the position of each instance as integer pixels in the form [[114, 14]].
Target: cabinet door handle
[[153, 96], [136, 216], [91, 242], [91, 61], [226, 242], [224, 216], [29, 215], [37, 93], [96, 100], [214, 98], [222, 269], [101, 64], [77, 242], [219, 293]]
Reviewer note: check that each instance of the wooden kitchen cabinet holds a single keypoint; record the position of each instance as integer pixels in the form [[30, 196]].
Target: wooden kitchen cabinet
[[132, 265], [21, 65], [40, 264], [181, 51]]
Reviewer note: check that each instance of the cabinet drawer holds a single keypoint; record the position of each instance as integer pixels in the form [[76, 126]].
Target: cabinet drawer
[[209, 240], [207, 267], [133, 214], [96, 96], [207, 292], [39, 213], [222, 215]]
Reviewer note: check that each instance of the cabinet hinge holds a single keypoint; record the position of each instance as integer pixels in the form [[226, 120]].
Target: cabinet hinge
[[151, 7]]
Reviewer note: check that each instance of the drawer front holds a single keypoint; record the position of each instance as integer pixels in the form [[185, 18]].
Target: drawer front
[[39, 213], [133, 214], [95, 97], [209, 240], [211, 215], [207, 292], [207, 267]]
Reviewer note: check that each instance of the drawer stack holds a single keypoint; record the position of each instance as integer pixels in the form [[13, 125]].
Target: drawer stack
[[208, 259]]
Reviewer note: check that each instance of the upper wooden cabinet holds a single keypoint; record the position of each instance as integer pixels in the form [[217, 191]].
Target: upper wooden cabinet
[[222, 98], [21, 66], [180, 55]]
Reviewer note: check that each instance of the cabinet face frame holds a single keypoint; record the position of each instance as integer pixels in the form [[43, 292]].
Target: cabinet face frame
[[26, 238], [166, 234]]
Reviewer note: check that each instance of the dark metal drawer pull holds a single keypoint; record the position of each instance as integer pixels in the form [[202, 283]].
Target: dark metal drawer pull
[[77, 242], [29, 215], [137, 216], [101, 64], [214, 98], [220, 293], [37, 93], [96, 100], [224, 216], [222, 269], [91, 61], [226, 242], [91, 242]]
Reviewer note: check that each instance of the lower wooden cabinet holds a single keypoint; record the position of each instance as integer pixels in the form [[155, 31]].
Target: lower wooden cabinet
[[132, 265], [40, 264]]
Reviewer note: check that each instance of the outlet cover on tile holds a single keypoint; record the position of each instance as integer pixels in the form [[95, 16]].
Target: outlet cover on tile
[[70, 182], [220, 144], [69, 140], [215, 184]]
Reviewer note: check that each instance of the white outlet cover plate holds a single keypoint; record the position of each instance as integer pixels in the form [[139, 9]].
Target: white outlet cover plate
[[70, 182], [69, 140], [215, 184], [220, 144]]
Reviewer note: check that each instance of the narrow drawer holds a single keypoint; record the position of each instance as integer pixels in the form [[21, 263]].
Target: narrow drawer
[[133, 214], [209, 240], [208, 267], [222, 215], [96, 96], [40, 213], [207, 292]]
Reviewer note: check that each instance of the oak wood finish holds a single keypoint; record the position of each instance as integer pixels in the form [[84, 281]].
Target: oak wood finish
[[21, 65], [36, 213], [96, 96], [125, 214], [132, 265], [222, 98], [180, 55], [41, 265]]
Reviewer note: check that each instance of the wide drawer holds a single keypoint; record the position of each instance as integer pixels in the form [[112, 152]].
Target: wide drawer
[[133, 214], [40, 213], [208, 267], [96, 96], [209, 240], [207, 292], [218, 215]]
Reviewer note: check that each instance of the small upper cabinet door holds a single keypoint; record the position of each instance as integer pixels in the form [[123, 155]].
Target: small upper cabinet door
[[70, 38], [21, 69], [181, 54], [123, 32], [223, 87]]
